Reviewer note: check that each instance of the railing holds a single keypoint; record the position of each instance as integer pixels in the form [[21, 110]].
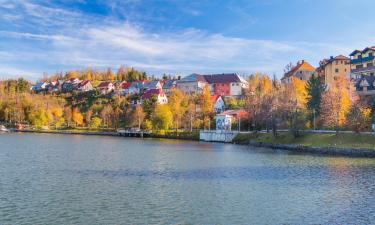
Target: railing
[[360, 60]]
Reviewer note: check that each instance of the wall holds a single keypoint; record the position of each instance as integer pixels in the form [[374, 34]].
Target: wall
[[217, 136]]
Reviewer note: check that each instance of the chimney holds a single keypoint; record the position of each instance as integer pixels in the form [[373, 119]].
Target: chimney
[[331, 57]]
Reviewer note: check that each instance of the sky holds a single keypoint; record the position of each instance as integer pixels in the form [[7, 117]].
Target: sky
[[178, 36]]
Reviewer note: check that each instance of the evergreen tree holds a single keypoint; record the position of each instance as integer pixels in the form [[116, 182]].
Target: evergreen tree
[[315, 87]]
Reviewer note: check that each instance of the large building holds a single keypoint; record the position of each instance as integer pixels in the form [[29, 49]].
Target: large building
[[362, 71], [303, 70], [333, 67], [362, 62], [226, 84]]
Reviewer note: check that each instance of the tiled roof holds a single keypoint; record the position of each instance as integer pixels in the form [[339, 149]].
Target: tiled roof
[[104, 84], [222, 78], [151, 92], [169, 84], [303, 65], [83, 83], [125, 85], [364, 50], [235, 113]]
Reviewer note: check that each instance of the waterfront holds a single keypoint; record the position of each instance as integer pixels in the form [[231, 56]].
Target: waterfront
[[77, 179]]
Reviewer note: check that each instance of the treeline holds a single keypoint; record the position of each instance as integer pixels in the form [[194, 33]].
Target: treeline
[[307, 105], [122, 74]]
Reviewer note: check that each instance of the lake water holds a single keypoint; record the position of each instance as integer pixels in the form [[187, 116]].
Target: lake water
[[62, 179]]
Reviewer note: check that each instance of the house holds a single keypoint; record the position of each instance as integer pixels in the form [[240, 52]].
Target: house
[[229, 84], [365, 85], [218, 103], [191, 84], [123, 88], [154, 84], [85, 86], [303, 70], [39, 87], [362, 63], [161, 97], [105, 87], [223, 122], [169, 85], [135, 87], [333, 67], [70, 85]]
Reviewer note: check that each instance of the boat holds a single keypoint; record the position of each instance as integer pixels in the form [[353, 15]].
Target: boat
[[3, 129]]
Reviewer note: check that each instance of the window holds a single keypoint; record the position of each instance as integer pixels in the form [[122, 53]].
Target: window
[[370, 54], [369, 64], [337, 62], [359, 66], [336, 70]]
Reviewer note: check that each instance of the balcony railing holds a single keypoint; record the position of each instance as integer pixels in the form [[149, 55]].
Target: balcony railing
[[360, 60]]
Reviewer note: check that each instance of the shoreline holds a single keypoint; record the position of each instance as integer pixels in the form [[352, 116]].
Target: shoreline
[[294, 148]]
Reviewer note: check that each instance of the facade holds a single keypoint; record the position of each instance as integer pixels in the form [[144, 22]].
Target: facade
[[218, 103], [365, 85], [161, 97], [105, 87], [85, 86], [39, 87], [223, 122], [333, 67], [362, 63], [169, 85], [303, 70], [229, 84], [193, 83]]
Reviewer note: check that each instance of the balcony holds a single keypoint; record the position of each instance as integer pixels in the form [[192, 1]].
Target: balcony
[[368, 58], [360, 60], [354, 61]]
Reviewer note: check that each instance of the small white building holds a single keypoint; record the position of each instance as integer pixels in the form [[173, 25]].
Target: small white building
[[223, 122]]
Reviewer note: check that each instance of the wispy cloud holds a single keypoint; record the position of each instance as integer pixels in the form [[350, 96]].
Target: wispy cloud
[[79, 40]]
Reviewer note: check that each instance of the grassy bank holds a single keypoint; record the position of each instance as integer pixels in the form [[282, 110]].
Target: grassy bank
[[356, 141]]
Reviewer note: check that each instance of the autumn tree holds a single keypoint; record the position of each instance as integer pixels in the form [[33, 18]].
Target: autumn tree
[[206, 105], [162, 118], [68, 115], [335, 103], [77, 117], [139, 115], [177, 103], [359, 118]]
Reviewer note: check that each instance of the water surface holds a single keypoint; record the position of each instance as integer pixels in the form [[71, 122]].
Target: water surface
[[73, 179]]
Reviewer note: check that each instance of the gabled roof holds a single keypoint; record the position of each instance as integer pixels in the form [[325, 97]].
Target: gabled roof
[[214, 98], [365, 81], [235, 113], [301, 66], [125, 85], [151, 92], [104, 84], [363, 51], [83, 83], [223, 78], [137, 84], [169, 84], [151, 84], [193, 78]]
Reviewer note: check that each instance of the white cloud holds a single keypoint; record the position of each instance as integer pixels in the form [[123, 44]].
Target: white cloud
[[86, 40]]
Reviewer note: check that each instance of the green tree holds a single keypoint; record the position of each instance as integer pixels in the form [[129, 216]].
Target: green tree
[[315, 87], [95, 122]]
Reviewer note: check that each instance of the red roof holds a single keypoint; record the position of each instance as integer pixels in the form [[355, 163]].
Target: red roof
[[125, 85], [83, 83], [238, 113], [151, 92], [214, 98], [104, 84]]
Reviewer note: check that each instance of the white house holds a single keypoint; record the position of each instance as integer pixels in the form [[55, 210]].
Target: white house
[[193, 83], [161, 97], [106, 87], [218, 103]]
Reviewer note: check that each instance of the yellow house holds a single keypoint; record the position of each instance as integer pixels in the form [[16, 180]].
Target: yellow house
[[333, 67], [303, 70]]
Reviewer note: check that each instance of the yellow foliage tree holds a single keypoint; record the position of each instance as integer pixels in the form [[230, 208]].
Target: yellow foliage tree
[[77, 117]]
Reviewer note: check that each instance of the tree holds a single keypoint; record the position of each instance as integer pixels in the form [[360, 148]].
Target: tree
[[95, 122], [359, 118], [176, 101], [77, 117], [335, 103], [315, 87], [206, 104], [162, 118], [140, 115], [68, 115]]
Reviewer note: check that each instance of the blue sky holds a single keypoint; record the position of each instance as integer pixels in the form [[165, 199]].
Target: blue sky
[[178, 36]]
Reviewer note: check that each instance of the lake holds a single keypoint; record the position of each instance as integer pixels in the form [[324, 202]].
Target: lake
[[73, 179]]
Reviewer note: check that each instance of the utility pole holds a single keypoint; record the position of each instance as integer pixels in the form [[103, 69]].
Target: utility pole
[[314, 119]]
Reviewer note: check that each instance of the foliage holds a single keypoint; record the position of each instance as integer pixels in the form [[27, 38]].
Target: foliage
[[162, 118], [95, 122]]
